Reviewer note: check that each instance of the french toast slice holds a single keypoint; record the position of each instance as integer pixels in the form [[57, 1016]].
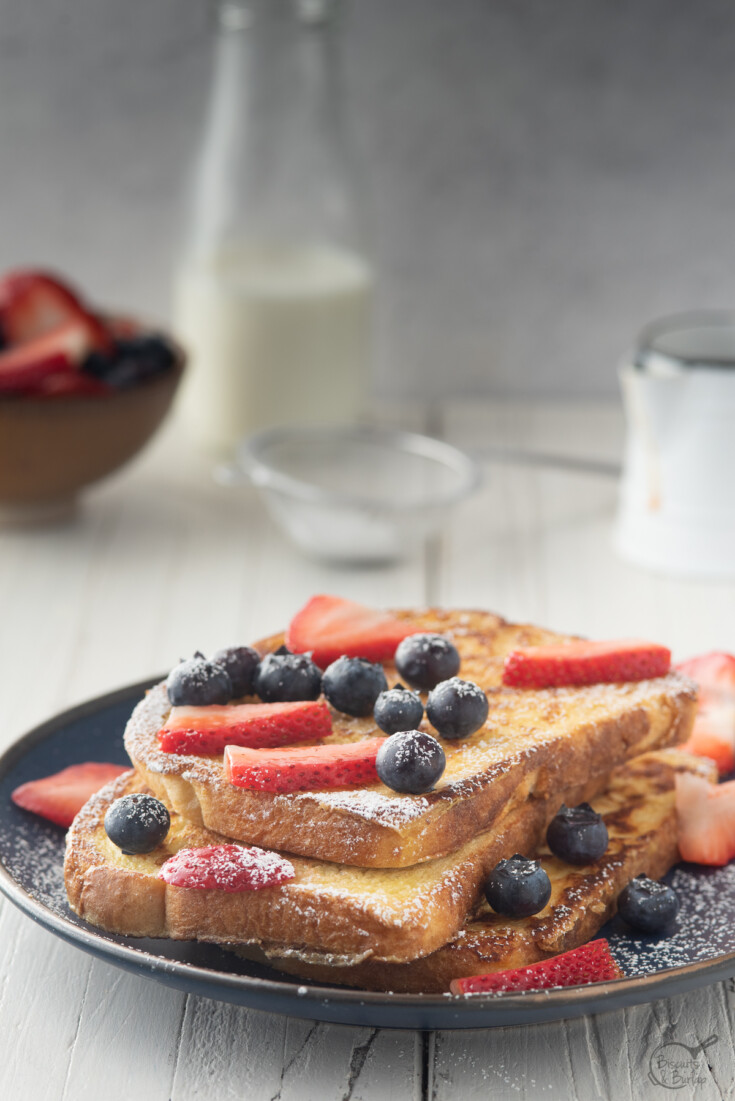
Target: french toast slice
[[535, 743], [639, 811], [393, 914], [299, 927]]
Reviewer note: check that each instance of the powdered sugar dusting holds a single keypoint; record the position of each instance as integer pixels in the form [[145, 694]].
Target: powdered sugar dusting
[[518, 722], [410, 748], [703, 929], [522, 732], [371, 805], [424, 643], [94, 809], [43, 851], [463, 688], [144, 810]]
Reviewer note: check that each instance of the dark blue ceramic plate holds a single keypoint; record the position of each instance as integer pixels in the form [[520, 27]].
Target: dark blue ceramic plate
[[701, 949]]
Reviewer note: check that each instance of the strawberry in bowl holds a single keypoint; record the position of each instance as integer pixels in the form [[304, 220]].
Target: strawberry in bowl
[[81, 392], [54, 344]]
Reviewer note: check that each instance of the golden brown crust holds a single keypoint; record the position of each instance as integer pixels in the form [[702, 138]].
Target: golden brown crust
[[392, 914], [113, 897], [639, 812], [534, 743], [331, 913]]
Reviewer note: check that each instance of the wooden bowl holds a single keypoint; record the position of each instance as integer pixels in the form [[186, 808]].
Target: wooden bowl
[[51, 448]]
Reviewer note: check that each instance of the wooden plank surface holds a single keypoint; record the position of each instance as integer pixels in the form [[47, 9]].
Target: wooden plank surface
[[161, 562]]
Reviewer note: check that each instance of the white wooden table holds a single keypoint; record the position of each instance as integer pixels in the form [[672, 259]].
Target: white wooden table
[[162, 562]]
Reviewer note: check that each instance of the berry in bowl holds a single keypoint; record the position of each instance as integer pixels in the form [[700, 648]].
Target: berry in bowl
[[81, 392]]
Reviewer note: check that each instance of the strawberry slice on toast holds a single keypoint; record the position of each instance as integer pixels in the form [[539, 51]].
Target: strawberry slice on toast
[[705, 818], [229, 868], [329, 627], [584, 662], [61, 796], [207, 730], [591, 962], [303, 768]]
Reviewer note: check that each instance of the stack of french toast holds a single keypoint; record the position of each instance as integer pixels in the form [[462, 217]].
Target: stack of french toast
[[385, 889]]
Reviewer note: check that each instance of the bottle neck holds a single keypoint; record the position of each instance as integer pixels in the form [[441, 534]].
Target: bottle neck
[[236, 15], [273, 160]]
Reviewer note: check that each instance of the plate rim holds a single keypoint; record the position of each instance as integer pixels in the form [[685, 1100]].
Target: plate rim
[[307, 999]]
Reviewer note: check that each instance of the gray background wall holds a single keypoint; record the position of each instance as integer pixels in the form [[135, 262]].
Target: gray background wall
[[545, 176]]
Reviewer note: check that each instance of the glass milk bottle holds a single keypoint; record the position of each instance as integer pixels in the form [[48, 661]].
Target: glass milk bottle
[[273, 294]]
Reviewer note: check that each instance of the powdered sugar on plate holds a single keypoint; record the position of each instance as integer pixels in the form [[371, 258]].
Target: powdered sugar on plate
[[39, 849], [702, 931]]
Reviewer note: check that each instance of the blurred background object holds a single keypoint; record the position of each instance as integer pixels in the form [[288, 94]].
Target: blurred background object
[[357, 495], [51, 448], [82, 390], [273, 295], [677, 508], [546, 177]]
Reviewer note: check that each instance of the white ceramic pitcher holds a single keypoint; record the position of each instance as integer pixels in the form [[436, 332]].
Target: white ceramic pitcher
[[677, 503]]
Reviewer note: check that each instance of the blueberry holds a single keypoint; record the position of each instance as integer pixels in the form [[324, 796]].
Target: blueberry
[[132, 360], [241, 662], [113, 368], [518, 887], [457, 708], [410, 762], [98, 364], [398, 709], [577, 834], [425, 660], [153, 352], [123, 374], [648, 905], [198, 683], [353, 685], [137, 823], [282, 678]]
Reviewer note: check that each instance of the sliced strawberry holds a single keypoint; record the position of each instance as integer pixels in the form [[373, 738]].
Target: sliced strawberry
[[120, 328], [61, 796], [25, 367], [32, 303], [585, 663], [713, 672], [703, 744], [705, 816], [592, 962], [714, 727], [210, 729], [713, 734], [226, 868], [328, 627], [307, 768]]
